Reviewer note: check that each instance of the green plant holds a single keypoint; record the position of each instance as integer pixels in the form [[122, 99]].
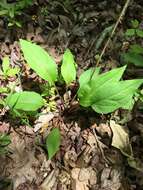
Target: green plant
[[134, 55], [11, 10], [103, 92], [4, 142], [53, 142], [23, 104], [135, 29], [6, 70]]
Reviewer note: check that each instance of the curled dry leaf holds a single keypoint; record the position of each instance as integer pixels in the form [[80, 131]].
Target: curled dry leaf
[[120, 139], [43, 120]]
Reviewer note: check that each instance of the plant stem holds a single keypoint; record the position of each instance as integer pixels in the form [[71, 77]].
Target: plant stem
[[62, 100], [112, 34]]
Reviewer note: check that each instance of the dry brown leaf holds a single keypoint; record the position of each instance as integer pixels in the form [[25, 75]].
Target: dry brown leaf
[[43, 120], [120, 139], [51, 180], [111, 179], [76, 183]]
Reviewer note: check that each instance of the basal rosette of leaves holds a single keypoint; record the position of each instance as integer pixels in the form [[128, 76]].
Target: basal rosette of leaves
[[105, 92]]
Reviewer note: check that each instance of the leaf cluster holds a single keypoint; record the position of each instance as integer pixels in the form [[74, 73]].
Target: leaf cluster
[[11, 10], [4, 142], [7, 70], [134, 30]]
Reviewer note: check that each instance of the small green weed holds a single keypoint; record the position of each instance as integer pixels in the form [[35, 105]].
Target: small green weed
[[4, 142], [134, 55], [135, 29], [11, 10], [6, 70]]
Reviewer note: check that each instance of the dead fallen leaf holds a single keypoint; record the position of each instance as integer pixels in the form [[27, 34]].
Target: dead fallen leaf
[[50, 181], [43, 120], [76, 183], [65, 180], [111, 179], [120, 139], [83, 178], [70, 158]]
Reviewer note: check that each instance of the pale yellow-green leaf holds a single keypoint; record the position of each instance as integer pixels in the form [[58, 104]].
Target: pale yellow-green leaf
[[39, 60], [5, 65], [68, 68], [12, 72]]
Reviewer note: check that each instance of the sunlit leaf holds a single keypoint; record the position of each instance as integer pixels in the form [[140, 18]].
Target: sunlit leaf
[[26, 101], [106, 93], [13, 71], [53, 142], [68, 68], [39, 60], [5, 64], [86, 75]]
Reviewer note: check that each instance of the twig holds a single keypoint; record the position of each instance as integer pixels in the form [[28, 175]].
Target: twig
[[112, 34]]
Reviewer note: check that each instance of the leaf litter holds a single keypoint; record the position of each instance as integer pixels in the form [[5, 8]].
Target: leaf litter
[[86, 160]]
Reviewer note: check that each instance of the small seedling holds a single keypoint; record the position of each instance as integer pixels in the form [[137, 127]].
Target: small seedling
[[11, 10], [135, 29], [4, 142], [134, 55], [7, 70]]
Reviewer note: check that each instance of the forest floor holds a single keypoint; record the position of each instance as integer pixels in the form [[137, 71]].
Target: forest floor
[[86, 159]]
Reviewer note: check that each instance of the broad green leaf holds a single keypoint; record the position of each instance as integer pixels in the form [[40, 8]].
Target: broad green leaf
[[106, 93], [86, 75], [121, 96], [130, 32], [39, 60], [3, 12], [99, 80], [68, 68], [26, 101], [5, 65], [136, 49], [53, 142], [4, 139], [134, 58], [139, 33]]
